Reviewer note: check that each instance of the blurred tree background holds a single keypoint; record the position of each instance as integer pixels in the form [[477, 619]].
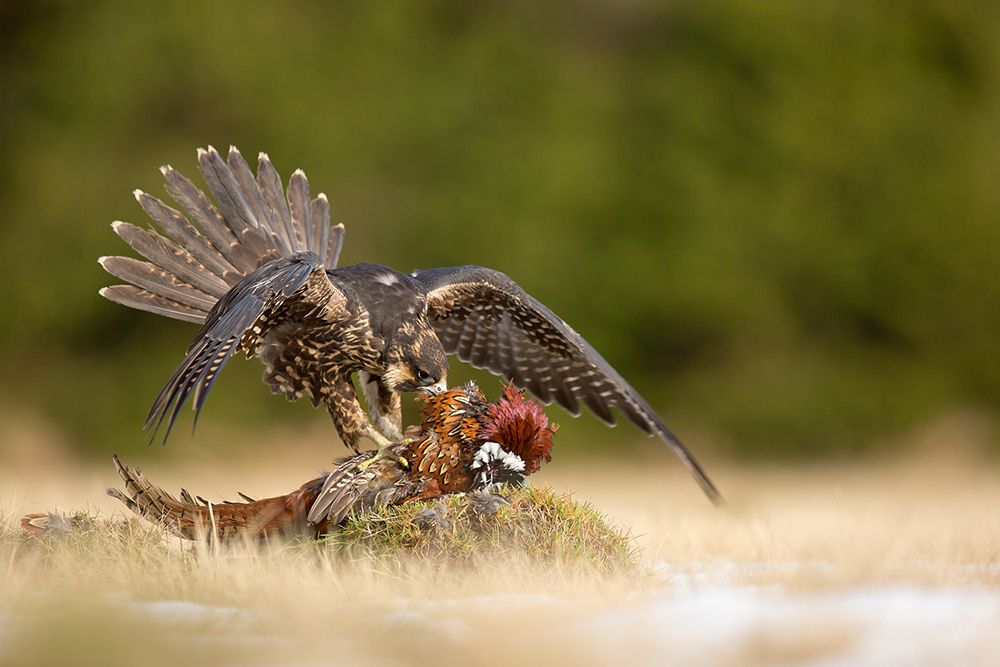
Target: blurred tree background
[[780, 220]]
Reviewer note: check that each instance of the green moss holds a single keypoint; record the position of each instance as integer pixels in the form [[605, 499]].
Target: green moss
[[533, 524]]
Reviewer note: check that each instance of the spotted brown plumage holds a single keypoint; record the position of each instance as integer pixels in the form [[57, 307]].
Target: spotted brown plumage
[[451, 455], [259, 271]]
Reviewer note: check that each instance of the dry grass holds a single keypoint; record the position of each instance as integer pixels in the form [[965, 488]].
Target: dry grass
[[125, 586], [807, 565]]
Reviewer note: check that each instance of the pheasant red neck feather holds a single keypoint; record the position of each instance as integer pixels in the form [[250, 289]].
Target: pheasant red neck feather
[[521, 427]]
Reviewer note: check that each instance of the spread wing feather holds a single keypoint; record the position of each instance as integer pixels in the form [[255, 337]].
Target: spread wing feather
[[240, 320], [206, 248], [485, 318], [135, 297], [236, 263], [152, 278]]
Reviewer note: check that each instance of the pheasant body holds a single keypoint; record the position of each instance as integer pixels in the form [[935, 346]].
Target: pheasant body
[[465, 444]]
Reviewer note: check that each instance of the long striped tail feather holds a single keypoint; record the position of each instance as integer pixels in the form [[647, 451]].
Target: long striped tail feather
[[193, 517]]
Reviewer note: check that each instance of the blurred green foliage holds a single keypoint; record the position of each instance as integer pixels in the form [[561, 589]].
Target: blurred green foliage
[[780, 219]]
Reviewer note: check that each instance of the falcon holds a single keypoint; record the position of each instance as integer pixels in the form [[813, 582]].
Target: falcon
[[258, 269]]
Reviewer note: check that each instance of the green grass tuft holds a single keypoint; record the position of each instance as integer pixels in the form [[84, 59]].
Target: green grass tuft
[[534, 524]]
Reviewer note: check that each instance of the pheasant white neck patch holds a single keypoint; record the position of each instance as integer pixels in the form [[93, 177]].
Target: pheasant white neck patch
[[497, 465]]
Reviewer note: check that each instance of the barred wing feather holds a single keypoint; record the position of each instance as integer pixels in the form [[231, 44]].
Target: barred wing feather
[[485, 318]]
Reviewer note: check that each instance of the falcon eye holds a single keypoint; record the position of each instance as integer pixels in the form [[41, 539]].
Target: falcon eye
[[423, 375]]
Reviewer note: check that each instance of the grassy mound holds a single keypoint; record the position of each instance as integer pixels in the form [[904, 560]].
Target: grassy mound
[[534, 524], [528, 528]]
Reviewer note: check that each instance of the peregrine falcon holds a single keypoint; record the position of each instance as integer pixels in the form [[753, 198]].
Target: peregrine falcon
[[258, 270]]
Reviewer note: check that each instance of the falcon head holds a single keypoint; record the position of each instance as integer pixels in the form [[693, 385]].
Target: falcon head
[[416, 361]]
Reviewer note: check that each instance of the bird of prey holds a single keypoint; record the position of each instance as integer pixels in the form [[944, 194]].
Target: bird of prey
[[464, 444], [258, 270]]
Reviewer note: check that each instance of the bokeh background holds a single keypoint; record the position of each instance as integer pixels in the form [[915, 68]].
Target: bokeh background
[[780, 220]]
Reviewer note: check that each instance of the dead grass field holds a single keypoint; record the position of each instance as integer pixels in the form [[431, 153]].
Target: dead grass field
[[881, 563]]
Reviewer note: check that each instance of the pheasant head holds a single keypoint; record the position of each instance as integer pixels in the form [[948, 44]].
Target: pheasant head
[[496, 443], [520, 426]]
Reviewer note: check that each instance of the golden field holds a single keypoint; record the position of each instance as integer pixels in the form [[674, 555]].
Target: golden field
[[890, 562]]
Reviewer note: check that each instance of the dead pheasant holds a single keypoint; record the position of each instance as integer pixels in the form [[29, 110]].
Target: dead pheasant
[[464, 443]]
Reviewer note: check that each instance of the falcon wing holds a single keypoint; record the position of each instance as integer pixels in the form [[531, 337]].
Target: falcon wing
[[291, 292], [255, 260], [201, 250], [484, 318]]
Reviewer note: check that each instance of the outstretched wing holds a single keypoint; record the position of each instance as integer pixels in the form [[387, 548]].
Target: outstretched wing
[[294, 293], [254, 260], [486, 319], [202, 249]]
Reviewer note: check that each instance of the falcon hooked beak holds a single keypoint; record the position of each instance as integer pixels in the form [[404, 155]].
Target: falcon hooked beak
[[436, 389]]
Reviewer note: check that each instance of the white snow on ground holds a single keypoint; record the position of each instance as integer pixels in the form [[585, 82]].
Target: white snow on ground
[[877, 626], [698, 623], [185, 611], [702, 617], [699, 616], [868, 626]]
